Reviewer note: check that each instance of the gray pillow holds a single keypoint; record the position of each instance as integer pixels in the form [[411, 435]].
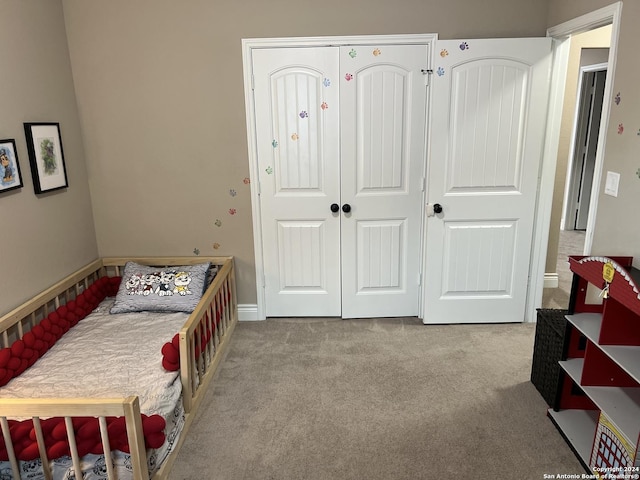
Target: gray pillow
[[160, 289]]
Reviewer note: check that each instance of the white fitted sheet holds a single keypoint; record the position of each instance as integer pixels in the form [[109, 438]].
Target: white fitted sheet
[[107, 356]]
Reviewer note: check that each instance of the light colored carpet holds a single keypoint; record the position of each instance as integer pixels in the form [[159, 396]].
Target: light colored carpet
[[376, 399]]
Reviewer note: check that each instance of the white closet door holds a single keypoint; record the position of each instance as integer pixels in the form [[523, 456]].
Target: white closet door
[[487, 130], [298, 137], [383, 119]]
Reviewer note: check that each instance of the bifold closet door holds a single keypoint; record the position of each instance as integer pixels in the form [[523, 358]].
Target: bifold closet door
[[298, 143], [383, 123], [341, 152]]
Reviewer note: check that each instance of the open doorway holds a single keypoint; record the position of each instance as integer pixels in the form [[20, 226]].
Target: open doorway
[[578, 166], [582, 160]]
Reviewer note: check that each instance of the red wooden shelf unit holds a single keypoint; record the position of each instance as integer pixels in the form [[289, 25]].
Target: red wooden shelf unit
[[597, 408]]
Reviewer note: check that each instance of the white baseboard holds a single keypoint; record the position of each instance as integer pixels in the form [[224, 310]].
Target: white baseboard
[[248, 313], [551, 280]]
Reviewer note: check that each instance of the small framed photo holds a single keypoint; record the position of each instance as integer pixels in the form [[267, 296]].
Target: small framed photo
[[46, 156], [10, 177]]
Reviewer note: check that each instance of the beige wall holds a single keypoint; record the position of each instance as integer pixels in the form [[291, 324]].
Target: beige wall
[[617, 227], [617, 230], [600, 37], [44, 237], [160, 94], [161, 113], [560, 11]]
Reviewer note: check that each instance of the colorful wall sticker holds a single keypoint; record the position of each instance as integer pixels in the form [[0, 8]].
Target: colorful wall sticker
[[216, 246], [326, 82], [324, 106], [218, 222], [274, 144], [232, 192], [353, 53], [620, 128], [196, 251], [294, 136], [246, 180], [376, 52], [638, 173], [464, 46], [444, 52], [348, 77], [617, 98], [232, 211], [304, 114], [440, 71], [269, 170]]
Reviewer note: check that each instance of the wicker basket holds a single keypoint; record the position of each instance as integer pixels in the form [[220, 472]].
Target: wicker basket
[[547, 352]]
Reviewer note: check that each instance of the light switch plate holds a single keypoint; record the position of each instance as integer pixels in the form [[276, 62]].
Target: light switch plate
[[611, 186]]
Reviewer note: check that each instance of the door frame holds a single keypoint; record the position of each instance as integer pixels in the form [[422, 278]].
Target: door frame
[[561, 34], [256, 43], [574, 167]]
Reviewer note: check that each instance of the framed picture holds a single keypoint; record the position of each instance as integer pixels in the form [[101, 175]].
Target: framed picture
[[10, 177], [46, 157]]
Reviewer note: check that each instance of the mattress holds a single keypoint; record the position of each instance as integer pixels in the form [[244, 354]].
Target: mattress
[[107, 356]]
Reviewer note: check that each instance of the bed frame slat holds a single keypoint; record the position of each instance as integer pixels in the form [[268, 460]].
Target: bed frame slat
[[6, 434], [106, 446], [71, 437], [37, 426], [136, 438]]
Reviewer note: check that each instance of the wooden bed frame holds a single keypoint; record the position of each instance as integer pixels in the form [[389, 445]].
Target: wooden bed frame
[[195, 373]]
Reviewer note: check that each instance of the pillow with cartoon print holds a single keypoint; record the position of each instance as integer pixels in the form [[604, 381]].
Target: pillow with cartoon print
[[160, 289]]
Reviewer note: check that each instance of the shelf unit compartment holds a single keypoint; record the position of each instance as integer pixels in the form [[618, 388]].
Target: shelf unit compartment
[[621, 403], [627, 357], [572, 395], [578, 299], [578, 427], [620, 326], [575, 342], [601, 371]]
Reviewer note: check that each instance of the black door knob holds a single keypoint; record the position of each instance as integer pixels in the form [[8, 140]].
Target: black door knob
[[437, 208], [346, 208], [334, 207]]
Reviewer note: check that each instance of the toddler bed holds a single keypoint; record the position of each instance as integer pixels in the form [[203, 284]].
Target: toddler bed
[[146, 370]]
